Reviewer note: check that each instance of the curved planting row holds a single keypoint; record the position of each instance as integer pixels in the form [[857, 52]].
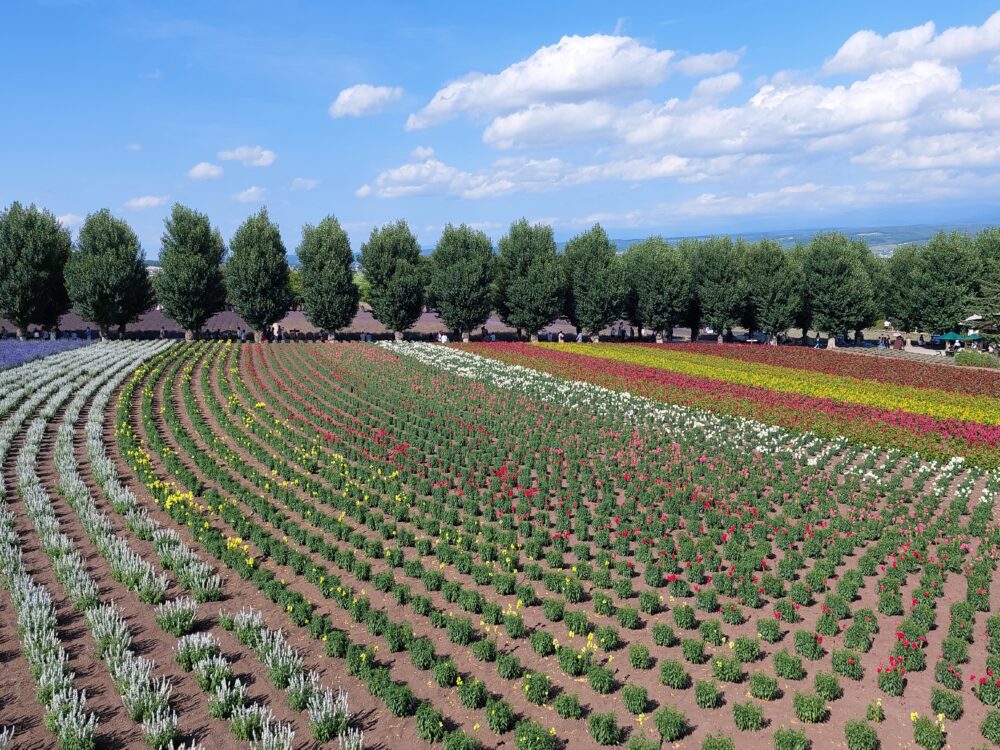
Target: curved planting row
[[122, 569], [384, 443], [879, 369], [612, 368], [483, 555]]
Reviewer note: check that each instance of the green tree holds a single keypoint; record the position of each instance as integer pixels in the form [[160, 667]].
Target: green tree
[[772, 286], [903, 292], [190, 287], [390, 260], [721, 288], [257, 274], [798, 259], [839, 283], [595, 282], [34, 249], [947, 278], [106, 274], [987, 244], [528, 284], [462, 278], [690, 251], [329, 294], [295, 286], [987, 306], [658, 284]]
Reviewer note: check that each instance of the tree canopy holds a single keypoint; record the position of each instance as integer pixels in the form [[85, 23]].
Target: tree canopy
[[190, 286], [106, 274], [329, 294], [595, 282], [34, 249], [391, 259], [462, 278], [658, 285], [528, 283], [840, 285], [257, 273], [721, 289], [773, 286]]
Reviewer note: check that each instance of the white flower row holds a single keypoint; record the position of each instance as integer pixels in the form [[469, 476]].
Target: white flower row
[[146, 698], [325, 708], [192, 572]]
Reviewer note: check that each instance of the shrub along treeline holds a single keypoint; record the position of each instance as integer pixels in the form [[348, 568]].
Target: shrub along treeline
[[832, 284]]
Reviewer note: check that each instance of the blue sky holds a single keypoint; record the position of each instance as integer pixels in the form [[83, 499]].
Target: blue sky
[[674, 118]]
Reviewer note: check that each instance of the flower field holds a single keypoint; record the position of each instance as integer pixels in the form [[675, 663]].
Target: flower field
[[345, 546], [853, 403]]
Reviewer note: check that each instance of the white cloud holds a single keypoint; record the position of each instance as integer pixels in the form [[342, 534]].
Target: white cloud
[[204, 170], [576, 68], [252, 194], [709, 63], [363, 99], [133, 147], [717, 86], [304, 183], [146, 201], [422, 152], [967, 150], [70, 221], [249, 156], [779, 116], [553, 124], [520, 175], [866, 50], [787, 116]]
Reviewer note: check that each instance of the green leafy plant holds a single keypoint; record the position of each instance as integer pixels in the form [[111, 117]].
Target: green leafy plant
[[671, 724], [748, 717], [604, 729], [707, 694], [860, 735], [790, 739], [810, 707]]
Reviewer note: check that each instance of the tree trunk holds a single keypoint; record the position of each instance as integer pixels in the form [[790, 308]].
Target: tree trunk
[[105, 333], [260, 336], [121, 332], [719, 339], [331, 336], [659, 337], [831, 342], [22, 332], [670, 334], [397, 335], [189, 335], [534, 338], [465, 337], [595, 339]]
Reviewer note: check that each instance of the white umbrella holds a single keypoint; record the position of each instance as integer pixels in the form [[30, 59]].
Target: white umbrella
[[973, 318]]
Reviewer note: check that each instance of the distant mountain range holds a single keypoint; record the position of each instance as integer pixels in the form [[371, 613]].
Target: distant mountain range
[[883, 240]]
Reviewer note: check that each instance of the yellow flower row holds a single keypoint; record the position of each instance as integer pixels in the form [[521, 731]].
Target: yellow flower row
[[929, 401]]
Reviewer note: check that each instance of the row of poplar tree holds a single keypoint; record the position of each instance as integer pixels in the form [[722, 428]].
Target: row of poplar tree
[[832, 284]]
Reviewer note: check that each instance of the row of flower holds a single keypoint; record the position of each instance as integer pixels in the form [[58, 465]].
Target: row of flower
[[886, 370], [69, 384], [440, 500], [941, 404], [934, 538], [929, 436]]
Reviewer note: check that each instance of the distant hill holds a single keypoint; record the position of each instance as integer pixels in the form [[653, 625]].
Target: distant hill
[[883, 240]]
